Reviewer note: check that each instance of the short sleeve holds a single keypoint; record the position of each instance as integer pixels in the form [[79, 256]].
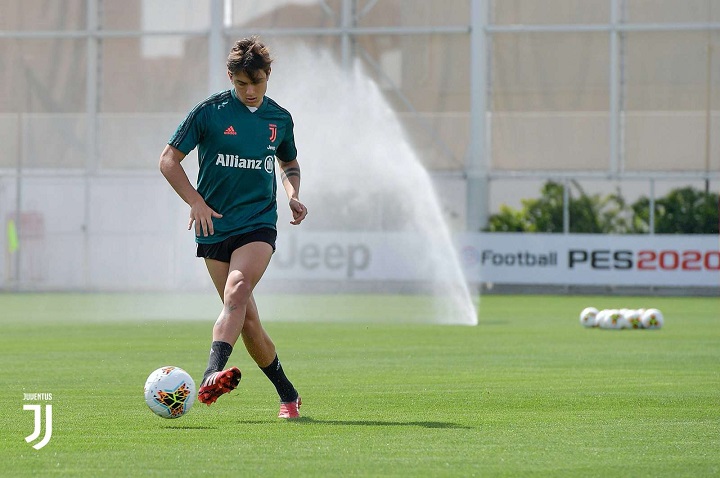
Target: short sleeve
[[190, 131], [286, 150]]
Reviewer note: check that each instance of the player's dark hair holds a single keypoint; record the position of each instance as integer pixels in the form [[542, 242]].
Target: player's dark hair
[[249, 56]]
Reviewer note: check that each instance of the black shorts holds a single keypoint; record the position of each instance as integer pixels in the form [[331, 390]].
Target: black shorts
[[221, 251]]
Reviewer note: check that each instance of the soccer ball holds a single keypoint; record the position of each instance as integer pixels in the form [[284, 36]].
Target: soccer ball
[[623, 321], [652, 319], [170, 392], [600, 318], [633, 318], [613, 319], [588, 317]]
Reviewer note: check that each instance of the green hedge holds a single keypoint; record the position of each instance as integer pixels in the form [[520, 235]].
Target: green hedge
[[682, 211]]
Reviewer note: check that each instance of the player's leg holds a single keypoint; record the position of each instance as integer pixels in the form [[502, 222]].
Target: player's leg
[[234, 281], [247, 266], [217, 381], [262, 349], [257, 341]]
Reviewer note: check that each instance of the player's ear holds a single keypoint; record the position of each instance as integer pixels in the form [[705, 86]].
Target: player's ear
[[230, 75], [268, 73]]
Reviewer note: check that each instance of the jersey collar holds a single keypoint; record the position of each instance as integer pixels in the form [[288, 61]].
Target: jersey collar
[[245, 108]]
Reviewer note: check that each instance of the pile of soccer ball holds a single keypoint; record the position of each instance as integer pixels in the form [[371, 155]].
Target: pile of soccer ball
[[621, 318]]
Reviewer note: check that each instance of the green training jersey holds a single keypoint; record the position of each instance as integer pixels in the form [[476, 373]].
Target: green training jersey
[[236, 152]]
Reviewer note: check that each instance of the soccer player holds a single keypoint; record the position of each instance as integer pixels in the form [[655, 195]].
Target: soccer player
[[239, 133]]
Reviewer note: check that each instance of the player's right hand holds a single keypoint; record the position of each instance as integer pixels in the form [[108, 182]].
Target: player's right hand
[[201, 215]]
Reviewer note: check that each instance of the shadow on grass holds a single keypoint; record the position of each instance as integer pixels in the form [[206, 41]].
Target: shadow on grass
[[189, 427], [369, 423]]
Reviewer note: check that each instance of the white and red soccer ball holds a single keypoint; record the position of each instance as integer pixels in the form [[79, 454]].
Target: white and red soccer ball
[[170, 392]]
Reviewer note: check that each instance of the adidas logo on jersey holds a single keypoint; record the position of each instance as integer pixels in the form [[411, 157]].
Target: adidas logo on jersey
[[230, 130]]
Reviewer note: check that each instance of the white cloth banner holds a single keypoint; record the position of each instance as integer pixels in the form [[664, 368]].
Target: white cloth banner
[[504, 258], [592, 259]]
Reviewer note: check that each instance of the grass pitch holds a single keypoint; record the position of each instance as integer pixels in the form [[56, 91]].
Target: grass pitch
[[528, 392]]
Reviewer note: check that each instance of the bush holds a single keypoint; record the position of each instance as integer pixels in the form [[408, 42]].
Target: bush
[[682, 211]]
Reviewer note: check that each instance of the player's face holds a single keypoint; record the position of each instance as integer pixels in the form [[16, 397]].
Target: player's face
[[250, 92]]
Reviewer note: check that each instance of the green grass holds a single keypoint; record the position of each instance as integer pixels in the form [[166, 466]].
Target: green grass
[[528, 392]]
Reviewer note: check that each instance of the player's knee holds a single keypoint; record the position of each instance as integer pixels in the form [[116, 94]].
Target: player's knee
[[237, 288]]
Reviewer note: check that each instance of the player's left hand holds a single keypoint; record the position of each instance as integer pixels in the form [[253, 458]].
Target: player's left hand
[[299, 211]]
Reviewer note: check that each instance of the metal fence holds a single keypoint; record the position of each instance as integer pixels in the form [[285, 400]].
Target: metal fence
[[494, 96]]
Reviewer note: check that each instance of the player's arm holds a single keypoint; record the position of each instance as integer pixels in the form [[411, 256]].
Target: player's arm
[[290, 176], [200, 213]]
